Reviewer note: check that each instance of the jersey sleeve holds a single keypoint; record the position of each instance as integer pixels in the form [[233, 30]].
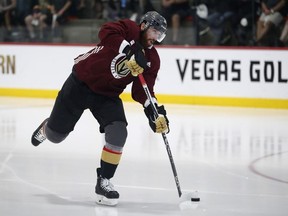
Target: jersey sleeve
[[149, 75], [115, 34], [138, 93]]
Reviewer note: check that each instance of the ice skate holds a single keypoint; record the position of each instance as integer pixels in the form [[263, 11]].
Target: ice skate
[[105, 192], [39, 136]]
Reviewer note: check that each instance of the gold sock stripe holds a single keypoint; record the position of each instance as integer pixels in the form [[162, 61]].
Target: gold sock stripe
[[110, 156]]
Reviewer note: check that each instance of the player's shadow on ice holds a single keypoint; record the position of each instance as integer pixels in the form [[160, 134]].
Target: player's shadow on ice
[[123, 207]]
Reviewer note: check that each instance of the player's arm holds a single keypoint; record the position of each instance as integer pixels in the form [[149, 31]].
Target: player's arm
[[158, 124]]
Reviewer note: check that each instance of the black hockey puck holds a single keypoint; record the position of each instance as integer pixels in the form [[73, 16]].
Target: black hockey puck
[[195, 199]]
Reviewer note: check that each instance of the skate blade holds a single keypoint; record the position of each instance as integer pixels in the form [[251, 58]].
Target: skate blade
[[102, 200]]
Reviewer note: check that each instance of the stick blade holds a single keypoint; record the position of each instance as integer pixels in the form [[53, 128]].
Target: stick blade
[[189, 201]]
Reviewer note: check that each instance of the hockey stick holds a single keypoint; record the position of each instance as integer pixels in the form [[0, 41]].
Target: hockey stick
[[148, 94]]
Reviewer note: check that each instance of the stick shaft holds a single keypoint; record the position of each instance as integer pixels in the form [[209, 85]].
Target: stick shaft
[[148, 94]]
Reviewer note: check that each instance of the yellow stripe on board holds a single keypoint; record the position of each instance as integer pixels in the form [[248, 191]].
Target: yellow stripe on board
[[219, 101], [225, 101], [37, 93], [174, 99]]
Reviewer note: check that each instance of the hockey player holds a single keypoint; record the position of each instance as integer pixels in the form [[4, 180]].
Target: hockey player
[[98, 78]]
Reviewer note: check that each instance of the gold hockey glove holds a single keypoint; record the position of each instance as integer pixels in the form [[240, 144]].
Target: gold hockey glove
[[134, 67], [136, 61], [160, 124]]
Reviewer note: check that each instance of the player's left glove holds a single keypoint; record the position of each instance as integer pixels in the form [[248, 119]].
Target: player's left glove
[[160, 124]]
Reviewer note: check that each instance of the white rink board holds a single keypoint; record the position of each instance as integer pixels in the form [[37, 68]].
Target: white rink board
[[38, 66], [224, 72], [250, 73]]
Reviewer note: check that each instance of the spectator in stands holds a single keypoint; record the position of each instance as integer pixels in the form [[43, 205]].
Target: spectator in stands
[[175, 11], [36, 21], [112, 11], [98, 7], [246, 16], [23, 8], [123, 9], [221, 19], [77, 9], [59, 15], [59, 11], [129, 9], [284, 34], [143, 7], [147, 6], [6, 7], [86, 9], [271, 16]]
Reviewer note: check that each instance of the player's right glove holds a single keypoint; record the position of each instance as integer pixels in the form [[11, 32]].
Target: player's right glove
[[138, 63], [160, 124]]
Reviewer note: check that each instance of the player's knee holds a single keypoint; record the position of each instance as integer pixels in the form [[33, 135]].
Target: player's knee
[[54, 136], [116, 133]]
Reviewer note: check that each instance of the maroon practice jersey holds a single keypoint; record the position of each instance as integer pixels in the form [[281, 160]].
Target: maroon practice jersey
[[103, 68]]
